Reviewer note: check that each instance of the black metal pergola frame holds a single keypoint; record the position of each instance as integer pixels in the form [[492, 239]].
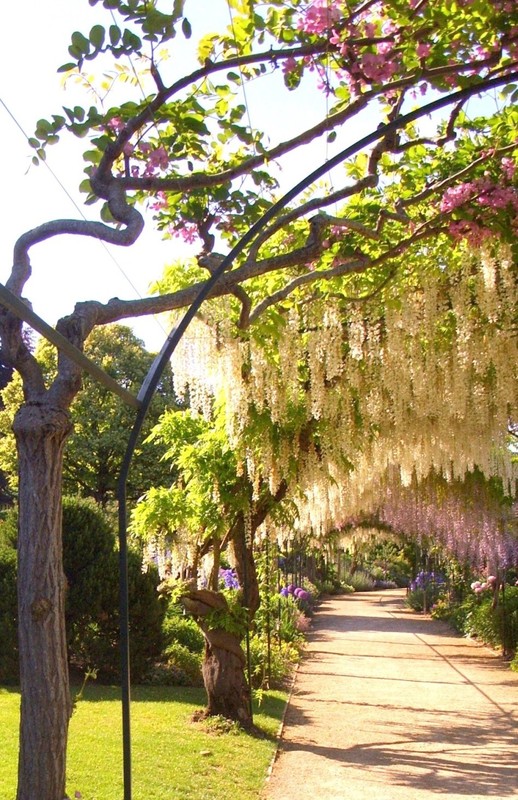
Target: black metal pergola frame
[[142, 401]]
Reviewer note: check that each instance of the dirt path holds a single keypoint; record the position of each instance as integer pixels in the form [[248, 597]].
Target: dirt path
[[390, 705]]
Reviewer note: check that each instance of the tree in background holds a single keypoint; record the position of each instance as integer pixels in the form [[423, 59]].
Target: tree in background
[[395, 215], [101, 420], [212, 507]]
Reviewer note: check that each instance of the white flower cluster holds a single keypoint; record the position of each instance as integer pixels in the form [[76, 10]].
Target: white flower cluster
[[425, 379]]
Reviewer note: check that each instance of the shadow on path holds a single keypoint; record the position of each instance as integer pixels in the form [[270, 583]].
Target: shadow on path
[[388, 704]]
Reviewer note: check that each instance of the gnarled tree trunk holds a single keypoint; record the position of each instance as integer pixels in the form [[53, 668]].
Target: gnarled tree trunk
[[228, 693], [41, 432]]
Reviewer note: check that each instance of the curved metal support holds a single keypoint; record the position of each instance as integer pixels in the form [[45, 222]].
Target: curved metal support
[[151, 382]]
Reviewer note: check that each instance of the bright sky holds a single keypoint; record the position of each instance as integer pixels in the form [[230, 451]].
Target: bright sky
[[65, 269], [70, 269]]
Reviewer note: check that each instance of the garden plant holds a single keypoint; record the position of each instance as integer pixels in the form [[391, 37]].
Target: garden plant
[[360, 338]]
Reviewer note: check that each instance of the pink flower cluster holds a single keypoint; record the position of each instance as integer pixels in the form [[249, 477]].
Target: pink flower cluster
[[380, 55], [489, 584], [319, 17], [188, 231], [159, 202], [473, 535], [157, 158], [471, 231], [485, 194]]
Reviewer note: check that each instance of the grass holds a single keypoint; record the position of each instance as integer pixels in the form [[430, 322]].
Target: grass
[[173, 758]]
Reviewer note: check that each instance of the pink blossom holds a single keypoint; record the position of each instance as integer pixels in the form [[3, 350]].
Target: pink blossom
[[474, 233], [389, 27], [383, 48], [116, 124], [289, 65], [423, 49], [456, 196], [508, 168], [499, 197], [157, 159], [188, 231], [319, 17], [376, 67], [160, 202]]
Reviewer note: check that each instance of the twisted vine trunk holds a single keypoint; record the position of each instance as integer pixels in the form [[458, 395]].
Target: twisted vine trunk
[[228, 693], [41, 432]]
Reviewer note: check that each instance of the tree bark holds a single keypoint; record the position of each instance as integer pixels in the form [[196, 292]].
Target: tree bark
[[228, 693], [41, 431]]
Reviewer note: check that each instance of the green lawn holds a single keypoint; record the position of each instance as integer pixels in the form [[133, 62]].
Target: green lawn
[[173, 758]]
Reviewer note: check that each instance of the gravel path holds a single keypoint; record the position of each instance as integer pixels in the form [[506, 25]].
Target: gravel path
[[390, 705]]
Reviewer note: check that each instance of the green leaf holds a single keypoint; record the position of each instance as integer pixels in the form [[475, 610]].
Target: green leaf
[[206, 47], [67, 67], [115, 34], [131, 41], [186, 28], [43, 125], [75, 52], [97, 35], [85, 186], [80, 42], [106, 214]]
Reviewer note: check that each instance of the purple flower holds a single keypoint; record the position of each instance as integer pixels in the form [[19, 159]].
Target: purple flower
[[229, 579]]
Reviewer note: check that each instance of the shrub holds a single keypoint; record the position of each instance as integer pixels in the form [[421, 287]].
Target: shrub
[[180, 667], [90, 562], [8, 610], [425, 591], [497, 625], [96, 641], [281, 661], [359, 581], [9, 528], [182, 630], [285, 623]]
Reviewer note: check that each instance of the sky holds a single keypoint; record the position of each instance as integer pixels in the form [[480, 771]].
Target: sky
[[69, 269], [65, 269]]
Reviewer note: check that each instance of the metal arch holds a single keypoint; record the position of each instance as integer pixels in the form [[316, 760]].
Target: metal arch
[[151, 382]]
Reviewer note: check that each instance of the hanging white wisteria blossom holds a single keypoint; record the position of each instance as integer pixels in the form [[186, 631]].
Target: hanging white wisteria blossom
[[425, 380]]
